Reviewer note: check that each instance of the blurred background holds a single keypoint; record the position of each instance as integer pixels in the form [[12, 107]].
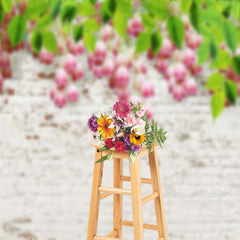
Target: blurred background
[[47, 162]]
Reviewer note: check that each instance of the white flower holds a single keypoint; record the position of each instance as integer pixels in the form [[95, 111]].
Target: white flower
[[94, 138], [138, 129]]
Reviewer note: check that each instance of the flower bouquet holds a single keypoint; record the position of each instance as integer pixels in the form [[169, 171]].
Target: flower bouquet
[[125, 129]]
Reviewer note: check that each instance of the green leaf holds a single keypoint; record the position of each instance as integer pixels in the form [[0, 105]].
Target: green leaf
[[230, 35], [186, 5], [124, 7], [106, 157], [1, 14], [55, 8], [236, 64], [175, 29], [36, 41], [86, 9], [215, 82], [132, 156], [104, 11], [93, 1], [7, 5], [35, 8], [157, 9], [44, 21], [89, 41], [235, 9], [213, 49], [231, 91], [156, 42], [120, 23], [104, 148], [16, 29], [148, 21], [194, 15], [143, 42], [78, 32], [68, 12], [111, 6], [222, 61], [50, 42], [91, 25], [217, 103], [203, 53]]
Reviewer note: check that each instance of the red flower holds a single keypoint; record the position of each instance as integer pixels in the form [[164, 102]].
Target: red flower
[[109, 143], [120, 147]]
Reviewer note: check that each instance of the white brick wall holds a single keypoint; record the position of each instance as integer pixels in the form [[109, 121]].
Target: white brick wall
[[46, 163]]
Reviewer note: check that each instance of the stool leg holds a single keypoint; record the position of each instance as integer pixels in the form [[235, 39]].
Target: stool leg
[[136, 199], [95, 198], [117, 198], [156, 184]]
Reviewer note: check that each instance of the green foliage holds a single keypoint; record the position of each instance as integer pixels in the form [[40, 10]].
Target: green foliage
[[215, 82], [50, 42], [231, 91], [91, 25], [175, 29], [106, 157], [186, 5], [195, 15], [120, 23], [89, 41], [213, 49], [55, 8], [16, 30], [203, 53], [36, 41], [78, 32], [156, 41], [6, 5], [148, 21], [1, 14], [86, 9], [230, 35], [132, 156], [44, 21], [143, 42], [236, 64], [217, 103], [154, 135], [35, 8], [68, 12], [222, 61]]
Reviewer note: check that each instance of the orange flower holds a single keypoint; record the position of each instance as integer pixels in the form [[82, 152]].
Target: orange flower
[[104, 122]]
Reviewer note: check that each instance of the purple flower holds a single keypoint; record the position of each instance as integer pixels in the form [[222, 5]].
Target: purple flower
[[92, 124], [127, 140], [126, 148], [136, 148]]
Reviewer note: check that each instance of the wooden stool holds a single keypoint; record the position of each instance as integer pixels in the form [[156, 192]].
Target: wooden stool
[[99, 192]]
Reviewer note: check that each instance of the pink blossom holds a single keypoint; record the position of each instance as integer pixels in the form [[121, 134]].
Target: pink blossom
[[131, 120], [141, 122], [140, 113]]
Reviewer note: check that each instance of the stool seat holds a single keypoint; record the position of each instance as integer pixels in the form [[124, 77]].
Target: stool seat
[[100, 192]]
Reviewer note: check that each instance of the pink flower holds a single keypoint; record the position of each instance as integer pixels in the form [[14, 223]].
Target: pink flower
[[130, 120], [149, 113], [141, 122], [122, 108], [140, 113]]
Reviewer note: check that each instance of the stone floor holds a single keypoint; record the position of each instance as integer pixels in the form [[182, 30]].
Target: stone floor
[[47, 164]]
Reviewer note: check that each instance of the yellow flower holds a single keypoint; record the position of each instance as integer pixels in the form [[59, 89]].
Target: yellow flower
[[103, 127], [137, 139]]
